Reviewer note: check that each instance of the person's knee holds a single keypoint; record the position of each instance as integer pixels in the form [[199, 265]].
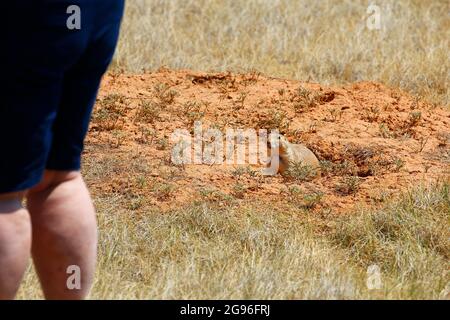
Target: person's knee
[[14, 219]]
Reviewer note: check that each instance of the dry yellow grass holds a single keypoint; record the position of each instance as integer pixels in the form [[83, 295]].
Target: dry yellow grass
[[203, 252], [321, 41]]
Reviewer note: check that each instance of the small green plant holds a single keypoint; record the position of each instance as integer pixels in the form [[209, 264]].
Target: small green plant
[[111, 109], [372, 114], [148, 111], [192, 110], [164, 94], [307, 201], [239, 190], [385, 132], [311, 200], [414, 118], [206, 193], [146, 134], [141, 182], [293, 195], [304, 99], [240, 100], [215, 196], [326, 167], [136, 203], [238, 172], [252, 173], [163, 191], [300, 172], [275, 120], [335, 114], [349, 185], [398, 164], [241, 171], [118, 138]]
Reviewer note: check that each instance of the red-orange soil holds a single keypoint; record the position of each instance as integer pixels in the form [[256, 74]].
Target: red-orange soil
[[386, 138]]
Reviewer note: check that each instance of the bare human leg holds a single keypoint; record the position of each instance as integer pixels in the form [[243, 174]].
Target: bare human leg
[[15, 242], [64, 234]]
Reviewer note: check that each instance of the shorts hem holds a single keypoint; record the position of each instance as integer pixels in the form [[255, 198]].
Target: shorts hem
[[24, 185]]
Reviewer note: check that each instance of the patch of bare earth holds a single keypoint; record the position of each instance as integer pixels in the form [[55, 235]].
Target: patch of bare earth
[[372, 141]]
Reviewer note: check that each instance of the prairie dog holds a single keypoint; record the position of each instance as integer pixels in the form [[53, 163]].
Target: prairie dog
[[293, 153]]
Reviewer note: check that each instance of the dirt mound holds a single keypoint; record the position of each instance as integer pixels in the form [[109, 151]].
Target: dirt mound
[[372, 141]]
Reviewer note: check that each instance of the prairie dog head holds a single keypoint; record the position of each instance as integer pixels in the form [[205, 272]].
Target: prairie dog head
[[278, 141], [279, 148]]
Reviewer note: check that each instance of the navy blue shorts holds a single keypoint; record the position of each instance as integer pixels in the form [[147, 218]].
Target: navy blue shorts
[[50, 76]]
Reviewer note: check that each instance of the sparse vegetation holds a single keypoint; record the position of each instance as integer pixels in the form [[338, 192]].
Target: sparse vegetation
[[385, 132], [409, 240], [192, 111], [110, 111], [311, 200], [348, 185], [274, 120], [301, 199], [444, 139], [300, 172], [329, 168], [165, 94], [239, 190], [335, 114], [146, 135], [318, 41], [372, 114], [240, 100], [398, 164], [163, 191], [414, 118], [215, 197], [304, 99], [148, 111], [243, 252], [118, 138]]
